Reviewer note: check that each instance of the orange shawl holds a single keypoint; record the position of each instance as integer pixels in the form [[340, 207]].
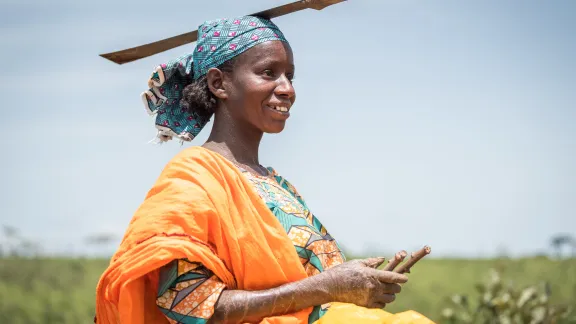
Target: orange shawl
[[201, 208]]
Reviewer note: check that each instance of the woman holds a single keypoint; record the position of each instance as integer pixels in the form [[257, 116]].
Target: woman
[[220, 238]]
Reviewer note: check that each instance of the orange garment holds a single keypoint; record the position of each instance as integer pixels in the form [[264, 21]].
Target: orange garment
[[203, 209]]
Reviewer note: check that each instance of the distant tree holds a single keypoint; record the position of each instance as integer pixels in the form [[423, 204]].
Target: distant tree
[[9, 231], [560, 240], [100, 239], [14, 244], [10, 236]]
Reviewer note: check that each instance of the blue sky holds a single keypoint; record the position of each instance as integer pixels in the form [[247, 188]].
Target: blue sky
[[447, 123]]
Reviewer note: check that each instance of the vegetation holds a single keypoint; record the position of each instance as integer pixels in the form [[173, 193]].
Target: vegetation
[[36, 289], [498, 301], [40, 290]]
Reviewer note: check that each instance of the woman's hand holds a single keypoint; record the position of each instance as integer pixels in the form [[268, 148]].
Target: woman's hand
[[356, 282], [359, 282]]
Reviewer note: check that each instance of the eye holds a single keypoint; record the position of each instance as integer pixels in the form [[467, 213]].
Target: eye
[[268, 73]]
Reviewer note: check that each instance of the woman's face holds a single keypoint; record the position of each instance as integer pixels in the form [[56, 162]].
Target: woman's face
[[259, 90]]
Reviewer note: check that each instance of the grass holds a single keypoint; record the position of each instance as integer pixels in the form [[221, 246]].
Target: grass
[[62, 290], [433, 281]]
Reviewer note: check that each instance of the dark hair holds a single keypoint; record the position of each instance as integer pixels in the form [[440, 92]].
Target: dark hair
[[197, 97]]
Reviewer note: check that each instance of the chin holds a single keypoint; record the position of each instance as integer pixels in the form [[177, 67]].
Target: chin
[[274, 129]]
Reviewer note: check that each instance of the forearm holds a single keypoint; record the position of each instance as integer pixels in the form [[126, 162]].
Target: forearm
[[236, 306]]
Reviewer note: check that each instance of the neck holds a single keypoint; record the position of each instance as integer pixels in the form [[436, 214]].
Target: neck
[[235, 141]]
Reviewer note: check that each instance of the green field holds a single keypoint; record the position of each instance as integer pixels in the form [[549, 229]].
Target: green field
[[62, 290]]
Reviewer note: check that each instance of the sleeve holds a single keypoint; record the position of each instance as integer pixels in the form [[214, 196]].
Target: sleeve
[[188, 292]]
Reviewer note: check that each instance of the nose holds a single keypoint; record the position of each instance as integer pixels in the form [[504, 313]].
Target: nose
[[284, 88]]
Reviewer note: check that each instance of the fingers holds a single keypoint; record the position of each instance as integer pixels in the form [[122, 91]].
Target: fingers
[[382, 300], [373, 262], [377, 305], [389, 276], [386, 298], [389, 288]]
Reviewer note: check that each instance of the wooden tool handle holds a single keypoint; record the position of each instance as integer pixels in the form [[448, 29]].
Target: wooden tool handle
[[139, 52]]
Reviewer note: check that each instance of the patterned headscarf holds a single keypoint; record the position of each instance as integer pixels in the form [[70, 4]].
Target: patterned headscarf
[[218, 41]]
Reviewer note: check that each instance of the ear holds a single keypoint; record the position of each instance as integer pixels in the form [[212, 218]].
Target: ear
[[216, 84]]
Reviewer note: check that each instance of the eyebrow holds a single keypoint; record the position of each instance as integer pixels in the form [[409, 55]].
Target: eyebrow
[[268, 60]]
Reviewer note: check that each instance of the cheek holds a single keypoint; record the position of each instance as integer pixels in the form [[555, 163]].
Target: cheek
[[247, 103], [258, 93], [249, 95]]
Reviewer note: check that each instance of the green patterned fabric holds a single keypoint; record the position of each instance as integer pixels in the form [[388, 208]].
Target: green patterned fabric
[[317, 249], [223, 39], [218, 41]]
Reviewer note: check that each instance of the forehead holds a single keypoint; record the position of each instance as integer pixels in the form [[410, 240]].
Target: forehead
[[276, 51]]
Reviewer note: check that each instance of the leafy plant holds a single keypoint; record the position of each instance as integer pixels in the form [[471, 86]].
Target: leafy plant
[[499, 302]]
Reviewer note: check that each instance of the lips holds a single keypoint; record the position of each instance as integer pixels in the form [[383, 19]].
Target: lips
[[280, 108], [281, 111]]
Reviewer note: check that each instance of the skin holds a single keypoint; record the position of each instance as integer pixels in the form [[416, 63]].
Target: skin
[[262, 77], [356, 282]]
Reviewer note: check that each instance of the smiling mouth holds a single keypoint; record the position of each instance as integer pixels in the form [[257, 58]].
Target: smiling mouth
[[279, 109]]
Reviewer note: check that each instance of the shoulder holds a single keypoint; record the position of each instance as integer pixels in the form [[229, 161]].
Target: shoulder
[[197, 156], [198, 160], [197, 167]]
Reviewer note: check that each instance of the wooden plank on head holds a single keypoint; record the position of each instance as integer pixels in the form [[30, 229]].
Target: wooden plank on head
[[142, 51]]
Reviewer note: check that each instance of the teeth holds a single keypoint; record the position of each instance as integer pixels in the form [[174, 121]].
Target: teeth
[[283, 109]]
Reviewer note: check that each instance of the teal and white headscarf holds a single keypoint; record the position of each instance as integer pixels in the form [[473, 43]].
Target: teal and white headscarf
[[218, 41]]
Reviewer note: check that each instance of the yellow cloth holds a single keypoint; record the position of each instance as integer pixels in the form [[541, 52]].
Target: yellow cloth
[[202, 208], [340, 313]]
